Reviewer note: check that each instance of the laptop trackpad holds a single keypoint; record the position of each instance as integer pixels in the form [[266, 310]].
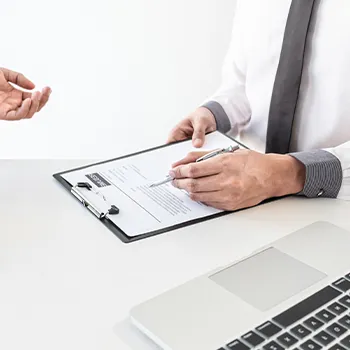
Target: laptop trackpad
[[267, 278]]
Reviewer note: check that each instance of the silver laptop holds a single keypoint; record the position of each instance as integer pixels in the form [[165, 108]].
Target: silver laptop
[[291, 294]]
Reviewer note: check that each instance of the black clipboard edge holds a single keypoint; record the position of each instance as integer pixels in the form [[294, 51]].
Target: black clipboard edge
[[114, 228], [141, 152]]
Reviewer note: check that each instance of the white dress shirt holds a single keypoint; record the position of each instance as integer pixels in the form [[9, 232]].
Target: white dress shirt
[[322, 119]]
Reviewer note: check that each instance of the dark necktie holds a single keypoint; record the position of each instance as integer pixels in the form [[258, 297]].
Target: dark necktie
[[287, 82]]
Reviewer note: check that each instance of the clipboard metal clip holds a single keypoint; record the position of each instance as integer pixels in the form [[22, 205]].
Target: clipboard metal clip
[[99, 213]]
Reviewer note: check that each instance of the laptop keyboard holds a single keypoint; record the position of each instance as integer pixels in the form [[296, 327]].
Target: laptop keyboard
[[318, 322]]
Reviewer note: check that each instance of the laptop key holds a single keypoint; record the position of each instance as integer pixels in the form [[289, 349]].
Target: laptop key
[[273, 346], [325, 316], [346, 342], [342, 284], [345, 321], [348, 276], [324, 338], [305, 307], [268, 329], [253, 339], [313, 323], [345, 300], [337, 308], [237, 345], [337, 347], [287, 340], [300, 331], [310, 345], [336, 329]]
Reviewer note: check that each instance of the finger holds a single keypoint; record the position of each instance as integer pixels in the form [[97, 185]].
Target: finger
[[199, 128], [176, 135], [251, 202], [207, 197], [190, 158], [21, 112], [223, 206], [45, 95], [26, 95], [182, 131], [35, 105], [204, 184], [216, 205], [195, 170], [18, 79]]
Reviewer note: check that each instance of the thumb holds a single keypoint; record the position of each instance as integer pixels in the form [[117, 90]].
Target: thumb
[[18, 79], [190, 158], [5, 86], [199, 128]]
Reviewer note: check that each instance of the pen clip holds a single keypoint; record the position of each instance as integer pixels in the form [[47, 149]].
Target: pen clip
[[212, 154], [78, 192]]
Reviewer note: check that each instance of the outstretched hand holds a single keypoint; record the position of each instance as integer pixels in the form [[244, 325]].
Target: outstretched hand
[[16, 104]]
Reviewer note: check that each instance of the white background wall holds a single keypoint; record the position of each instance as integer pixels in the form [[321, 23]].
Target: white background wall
[[123, 72]]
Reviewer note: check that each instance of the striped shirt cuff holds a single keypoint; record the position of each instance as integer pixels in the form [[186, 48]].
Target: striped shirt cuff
[[324, 174], [222, 121]]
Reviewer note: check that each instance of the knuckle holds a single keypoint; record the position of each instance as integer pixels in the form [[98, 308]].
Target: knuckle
[[225, 206], [18, 76], [193, 186], [194, 197], [223, 182], [176, 173], [192, 170], [238, 185], [230, 207], [225, 160]]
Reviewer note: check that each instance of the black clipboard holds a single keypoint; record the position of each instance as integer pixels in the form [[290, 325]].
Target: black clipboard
[[103, 217]]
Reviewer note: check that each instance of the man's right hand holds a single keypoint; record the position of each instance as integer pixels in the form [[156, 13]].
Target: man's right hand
[[195, 126]]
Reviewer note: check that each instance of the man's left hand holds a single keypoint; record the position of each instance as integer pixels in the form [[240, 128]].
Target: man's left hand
[[16, 104], [238, 180]]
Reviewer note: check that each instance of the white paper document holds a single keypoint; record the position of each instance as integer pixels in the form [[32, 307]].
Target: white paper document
[[126, 184]]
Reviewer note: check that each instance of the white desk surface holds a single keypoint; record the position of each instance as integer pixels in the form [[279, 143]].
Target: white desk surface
[[68, 283]]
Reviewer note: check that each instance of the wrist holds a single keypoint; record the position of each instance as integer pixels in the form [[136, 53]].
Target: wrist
[[288, 175]]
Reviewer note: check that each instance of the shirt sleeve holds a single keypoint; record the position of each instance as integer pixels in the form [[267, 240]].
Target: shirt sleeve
[[229, 104], [327, 172]]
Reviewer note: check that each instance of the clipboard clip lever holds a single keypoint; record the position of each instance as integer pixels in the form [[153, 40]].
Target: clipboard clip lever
[[100, 214]]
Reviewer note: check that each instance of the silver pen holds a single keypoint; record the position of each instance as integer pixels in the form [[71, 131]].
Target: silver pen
[[229, 149]]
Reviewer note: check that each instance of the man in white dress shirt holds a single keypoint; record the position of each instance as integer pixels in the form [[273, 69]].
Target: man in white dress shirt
[[17, 104], [308, 143]]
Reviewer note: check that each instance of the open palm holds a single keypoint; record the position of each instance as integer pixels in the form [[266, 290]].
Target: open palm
[[16, 104]]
